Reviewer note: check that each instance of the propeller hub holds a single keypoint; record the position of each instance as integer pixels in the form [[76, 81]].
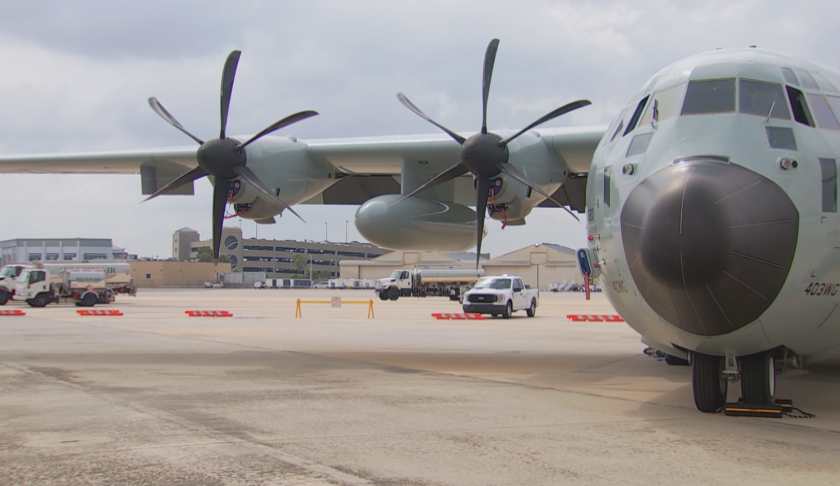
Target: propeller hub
[[483, 153], [218, 157]]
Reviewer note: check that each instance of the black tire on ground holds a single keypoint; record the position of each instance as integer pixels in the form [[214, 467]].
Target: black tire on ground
[[89, 300], [758, 378], [393, 293], [674, 361], [495, 315], [709, 382], [383, 295], [4, 297], [508, 311], [532, 311], [40, 300]]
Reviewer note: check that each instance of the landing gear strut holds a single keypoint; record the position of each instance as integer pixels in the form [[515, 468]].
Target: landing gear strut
[[709, 382]]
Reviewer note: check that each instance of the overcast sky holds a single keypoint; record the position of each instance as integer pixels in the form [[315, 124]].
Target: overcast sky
[[76, 75]]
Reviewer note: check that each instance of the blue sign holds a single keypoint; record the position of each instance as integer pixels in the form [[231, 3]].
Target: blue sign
[[583, 262]]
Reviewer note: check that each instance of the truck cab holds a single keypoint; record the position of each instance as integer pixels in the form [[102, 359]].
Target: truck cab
[[8, 281], [399, 284]]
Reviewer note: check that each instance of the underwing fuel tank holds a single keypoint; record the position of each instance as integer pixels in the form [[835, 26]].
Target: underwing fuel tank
[[416, 224]]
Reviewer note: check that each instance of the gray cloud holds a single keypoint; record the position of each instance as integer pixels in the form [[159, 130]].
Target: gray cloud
[[77, 76]]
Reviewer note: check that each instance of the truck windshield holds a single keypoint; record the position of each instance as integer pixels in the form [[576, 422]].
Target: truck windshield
[[10, 272], [493, 283], [395, 274]]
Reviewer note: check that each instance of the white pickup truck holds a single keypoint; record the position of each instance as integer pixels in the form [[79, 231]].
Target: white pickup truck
[[501, 295]]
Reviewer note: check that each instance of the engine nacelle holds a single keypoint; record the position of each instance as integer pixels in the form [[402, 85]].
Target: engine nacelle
[[416, 224], [512, 211]]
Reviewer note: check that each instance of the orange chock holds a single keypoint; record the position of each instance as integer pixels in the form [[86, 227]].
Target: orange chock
[[97, 312], [15, 312], [459, 317], [204, 313]]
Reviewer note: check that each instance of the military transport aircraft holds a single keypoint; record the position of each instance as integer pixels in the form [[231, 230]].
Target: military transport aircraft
[[711, 201]]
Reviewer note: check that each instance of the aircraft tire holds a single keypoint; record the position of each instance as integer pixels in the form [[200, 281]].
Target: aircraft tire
[[709, 383], [758, 378], [674, 361]]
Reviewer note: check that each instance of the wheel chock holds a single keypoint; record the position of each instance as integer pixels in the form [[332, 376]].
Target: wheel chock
[[97, 312], [16, 312], [204, 313], [459, 317], [747, 410]]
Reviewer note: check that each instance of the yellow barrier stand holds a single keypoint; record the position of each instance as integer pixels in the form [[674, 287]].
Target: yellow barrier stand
[[335, 302]]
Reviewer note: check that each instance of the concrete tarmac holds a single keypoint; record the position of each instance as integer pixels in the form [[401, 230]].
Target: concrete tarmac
[[156, 397]]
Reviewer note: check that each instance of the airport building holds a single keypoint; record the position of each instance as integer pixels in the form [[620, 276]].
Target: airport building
[[63, 249], [182, 241], [277, 258]]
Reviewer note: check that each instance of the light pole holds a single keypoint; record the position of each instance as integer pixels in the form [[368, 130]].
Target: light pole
[[345, 230], [326, 237]]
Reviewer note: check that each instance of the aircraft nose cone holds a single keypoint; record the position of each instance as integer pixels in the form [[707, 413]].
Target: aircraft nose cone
[[709, 244]]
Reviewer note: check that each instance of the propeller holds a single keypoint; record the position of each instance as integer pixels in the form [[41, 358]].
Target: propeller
[[224, 158], [485, 155]]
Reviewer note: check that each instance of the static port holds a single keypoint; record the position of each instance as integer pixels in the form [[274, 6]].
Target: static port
[[786, 163]]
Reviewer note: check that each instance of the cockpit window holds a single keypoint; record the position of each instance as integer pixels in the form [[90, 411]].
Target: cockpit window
[[620, 124], [636, 115], [807, 80], [834, 102], [709, 96], [822, 112], [799, 107], [762, 99], [824, 83], [665, 102], [790, 78]]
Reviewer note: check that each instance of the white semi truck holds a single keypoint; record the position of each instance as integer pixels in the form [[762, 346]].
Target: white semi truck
[[117, 275], [37, 287], [422, 282]]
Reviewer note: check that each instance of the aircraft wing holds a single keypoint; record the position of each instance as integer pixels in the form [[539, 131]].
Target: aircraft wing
[[368, 166]]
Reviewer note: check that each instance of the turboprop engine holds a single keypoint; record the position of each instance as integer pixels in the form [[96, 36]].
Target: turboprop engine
[[416, 224]]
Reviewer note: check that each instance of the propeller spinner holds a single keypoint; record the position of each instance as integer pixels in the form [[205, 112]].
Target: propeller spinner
[[485, 155], [224, 158]]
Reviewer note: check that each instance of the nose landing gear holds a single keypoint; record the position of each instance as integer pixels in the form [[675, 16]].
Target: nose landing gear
[[757, 373]]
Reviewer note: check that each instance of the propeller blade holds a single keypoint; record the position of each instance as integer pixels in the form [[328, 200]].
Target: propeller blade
[[228, 75], [161, 111], [574, 105], [249, 177], [516, 174], [221, 190], [456, 170], [182, 179], [408, 104], [303, 115], [489, 62], [481, 194]]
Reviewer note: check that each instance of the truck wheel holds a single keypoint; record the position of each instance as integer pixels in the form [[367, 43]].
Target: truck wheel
[[88, 300], [383, 295], [4, 297], [40, 300], [508, 311], [393, 293], [532, 311]]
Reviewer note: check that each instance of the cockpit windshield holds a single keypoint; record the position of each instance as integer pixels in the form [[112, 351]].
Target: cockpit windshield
[[763, 99], [493, 283], [709, 96]]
